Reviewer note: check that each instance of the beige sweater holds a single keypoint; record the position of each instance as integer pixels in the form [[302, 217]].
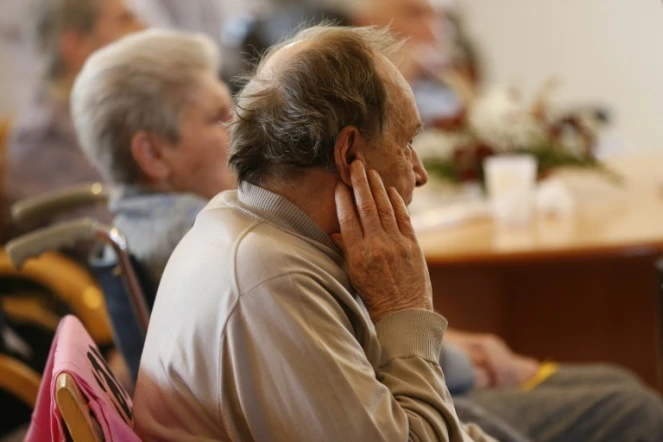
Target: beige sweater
[[257, 335]]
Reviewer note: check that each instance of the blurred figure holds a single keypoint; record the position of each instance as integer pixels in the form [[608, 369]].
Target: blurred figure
[[151, 114], [199, 16], [414, 20], [224, 21], [426, 60], [42, 152]]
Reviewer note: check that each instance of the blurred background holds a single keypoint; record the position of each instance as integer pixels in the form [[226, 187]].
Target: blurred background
[[603, 51], [558, 255]]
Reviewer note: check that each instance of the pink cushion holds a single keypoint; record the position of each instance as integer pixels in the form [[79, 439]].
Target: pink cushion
[[74, 352]]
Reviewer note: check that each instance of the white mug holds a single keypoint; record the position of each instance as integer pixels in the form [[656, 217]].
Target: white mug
[[510, 183]]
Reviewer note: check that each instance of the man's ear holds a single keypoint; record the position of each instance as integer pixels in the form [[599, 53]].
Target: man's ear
[[348, 148], [147, 152]]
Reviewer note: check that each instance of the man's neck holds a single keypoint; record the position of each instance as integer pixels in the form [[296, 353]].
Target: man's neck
[[313, 194]]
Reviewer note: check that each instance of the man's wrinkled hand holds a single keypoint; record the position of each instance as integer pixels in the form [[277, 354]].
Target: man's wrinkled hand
[[385, 263], [493, 359]]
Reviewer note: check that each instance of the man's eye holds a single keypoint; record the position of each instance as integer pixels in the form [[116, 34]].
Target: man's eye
[[227, 117], [223, 119]]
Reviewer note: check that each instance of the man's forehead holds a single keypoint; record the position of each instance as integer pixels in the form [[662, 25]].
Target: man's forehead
[[393, 77]]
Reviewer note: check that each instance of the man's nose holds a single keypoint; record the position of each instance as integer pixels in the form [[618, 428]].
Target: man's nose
[[420, 173]]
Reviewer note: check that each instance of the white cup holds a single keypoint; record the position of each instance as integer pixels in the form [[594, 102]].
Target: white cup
[[510, 182]]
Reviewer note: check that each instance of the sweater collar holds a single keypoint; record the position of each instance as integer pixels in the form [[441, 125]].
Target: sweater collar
[[280, 212]]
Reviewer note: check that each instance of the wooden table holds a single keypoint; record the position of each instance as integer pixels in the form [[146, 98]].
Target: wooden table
[[576, 289]]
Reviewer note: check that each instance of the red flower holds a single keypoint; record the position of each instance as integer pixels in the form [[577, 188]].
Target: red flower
[[468, 160]]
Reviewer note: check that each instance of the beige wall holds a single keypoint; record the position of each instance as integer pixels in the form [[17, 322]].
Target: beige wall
[[606, 51], [19, 68]]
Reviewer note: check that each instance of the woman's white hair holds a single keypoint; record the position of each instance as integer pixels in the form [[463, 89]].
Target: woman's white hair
[[141, 82]]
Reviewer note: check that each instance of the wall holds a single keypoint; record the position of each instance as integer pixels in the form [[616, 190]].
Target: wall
[[19, 68], [605, 51]]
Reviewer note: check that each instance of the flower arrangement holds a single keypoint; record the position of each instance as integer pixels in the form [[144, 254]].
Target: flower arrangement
[[501, 122]]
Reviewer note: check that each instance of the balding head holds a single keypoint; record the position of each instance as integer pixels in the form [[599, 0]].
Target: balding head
[[304, 92]]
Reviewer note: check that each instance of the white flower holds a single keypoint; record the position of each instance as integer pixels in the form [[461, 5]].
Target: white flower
[[500, 119]]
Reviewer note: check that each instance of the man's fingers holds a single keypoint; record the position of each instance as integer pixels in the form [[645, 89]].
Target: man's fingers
[[347, 216], [368, 212], [382, 202], [402, 215]]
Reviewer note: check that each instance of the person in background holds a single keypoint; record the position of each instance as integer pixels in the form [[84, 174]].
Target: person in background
[[151, 115], [200, 16], [428, 60], [42, 153]]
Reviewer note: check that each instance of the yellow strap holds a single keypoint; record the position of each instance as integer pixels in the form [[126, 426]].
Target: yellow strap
[[546, 370]]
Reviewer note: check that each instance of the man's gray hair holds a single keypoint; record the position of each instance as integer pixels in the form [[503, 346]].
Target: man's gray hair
[[56, 16], [288, 119], [141, 82]]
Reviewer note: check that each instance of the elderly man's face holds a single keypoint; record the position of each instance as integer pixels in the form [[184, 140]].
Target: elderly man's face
[[394, 158], [115, 21], [414, 20], [198, 162]]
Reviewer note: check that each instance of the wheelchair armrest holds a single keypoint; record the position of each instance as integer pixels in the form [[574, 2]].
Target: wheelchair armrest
[[56, 237], [69, 233], [43, 207]]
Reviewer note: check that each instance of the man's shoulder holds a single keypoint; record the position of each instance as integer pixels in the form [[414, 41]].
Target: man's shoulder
[[267, 252], [256, 250]]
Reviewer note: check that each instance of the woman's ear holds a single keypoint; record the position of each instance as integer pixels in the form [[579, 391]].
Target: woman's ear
[[147, 152], [348, 148]]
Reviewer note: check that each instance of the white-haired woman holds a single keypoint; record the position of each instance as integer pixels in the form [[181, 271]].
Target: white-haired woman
[[150, 113]]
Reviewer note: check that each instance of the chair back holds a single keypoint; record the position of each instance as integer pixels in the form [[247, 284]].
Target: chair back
[[79, 396]]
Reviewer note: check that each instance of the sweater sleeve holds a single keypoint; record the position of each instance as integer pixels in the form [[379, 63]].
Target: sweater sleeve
[[293, 369]]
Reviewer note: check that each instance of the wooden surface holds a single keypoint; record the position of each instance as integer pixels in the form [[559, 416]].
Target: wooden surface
[[75, 411], [614, 220], [582, 289]]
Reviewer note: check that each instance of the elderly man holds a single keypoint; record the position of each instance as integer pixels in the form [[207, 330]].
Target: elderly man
[[485, 376], [42, 152], [260, 330], [151, 114]]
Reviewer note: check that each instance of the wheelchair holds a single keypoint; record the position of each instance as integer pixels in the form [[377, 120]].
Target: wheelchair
[[107, 293], [123, 283]]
